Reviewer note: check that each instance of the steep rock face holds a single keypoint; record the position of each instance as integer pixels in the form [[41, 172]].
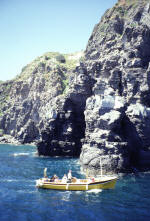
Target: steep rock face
[[117, 114], [63, 133], [26, 101]]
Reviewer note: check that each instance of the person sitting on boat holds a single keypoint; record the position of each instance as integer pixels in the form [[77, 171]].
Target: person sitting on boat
[[92, 179], [54, 178], [69, 176], [46, 179], [64, 179]]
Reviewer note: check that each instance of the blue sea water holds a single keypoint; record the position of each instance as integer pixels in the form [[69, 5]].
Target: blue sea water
[[20, 200]]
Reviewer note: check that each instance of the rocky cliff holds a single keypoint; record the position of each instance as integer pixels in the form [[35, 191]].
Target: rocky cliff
[[105, 111], [110, 95], [117, 114], [26, 102]]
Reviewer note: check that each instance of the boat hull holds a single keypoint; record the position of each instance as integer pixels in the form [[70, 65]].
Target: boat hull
[[107, 184]]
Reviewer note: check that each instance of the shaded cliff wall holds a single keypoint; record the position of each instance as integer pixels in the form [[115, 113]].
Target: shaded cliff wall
[[63, 133]]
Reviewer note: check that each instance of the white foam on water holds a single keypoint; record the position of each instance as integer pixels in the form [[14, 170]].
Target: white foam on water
[[89, 191], [35, 154], [21, 154], [41, 156], [26, 191], [9, 180], [78, 192], [66, 196], [95, 191], [14, 180]]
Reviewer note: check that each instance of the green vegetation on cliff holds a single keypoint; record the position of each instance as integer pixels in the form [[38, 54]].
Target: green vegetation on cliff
[[123, 9], [5, 88], [50, 61], [48, 75]]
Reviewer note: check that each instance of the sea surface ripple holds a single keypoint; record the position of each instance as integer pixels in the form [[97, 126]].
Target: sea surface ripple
[[20, 200]]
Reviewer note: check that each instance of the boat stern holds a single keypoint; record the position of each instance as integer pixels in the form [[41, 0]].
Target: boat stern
[[39, 183]]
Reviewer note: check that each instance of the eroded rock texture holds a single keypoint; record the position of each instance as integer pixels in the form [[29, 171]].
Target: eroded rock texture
[[26, 103], [117, 114], [63, 133]]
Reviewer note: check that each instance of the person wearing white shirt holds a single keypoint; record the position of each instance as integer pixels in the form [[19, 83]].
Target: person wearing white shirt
[[64, 179], [69, 176]]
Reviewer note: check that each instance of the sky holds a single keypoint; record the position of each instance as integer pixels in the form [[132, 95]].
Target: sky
[[30, 28]]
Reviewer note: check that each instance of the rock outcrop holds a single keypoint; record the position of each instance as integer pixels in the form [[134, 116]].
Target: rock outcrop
[[63, 133], [116, 117], [117, 114], [26, 103]]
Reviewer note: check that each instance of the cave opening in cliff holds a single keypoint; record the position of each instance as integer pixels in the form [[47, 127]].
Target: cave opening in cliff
[[77, 121], [134, 142]]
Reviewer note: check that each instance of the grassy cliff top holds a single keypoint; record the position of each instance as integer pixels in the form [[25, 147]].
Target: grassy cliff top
[[131, 2], [124, 9], [51, 60], [53, 66]]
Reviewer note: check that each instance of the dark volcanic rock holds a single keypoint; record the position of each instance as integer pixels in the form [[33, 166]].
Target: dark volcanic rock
[[26, 102], [117, 114], [62, 134]]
